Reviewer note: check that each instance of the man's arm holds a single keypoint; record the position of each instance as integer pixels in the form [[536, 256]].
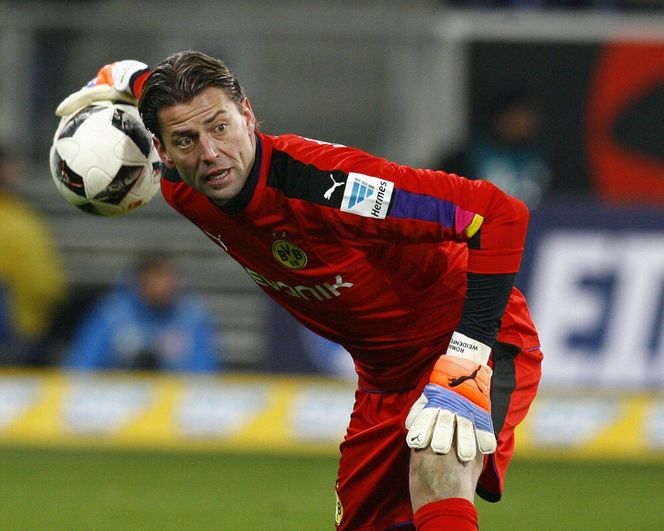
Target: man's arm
[[457, 399]]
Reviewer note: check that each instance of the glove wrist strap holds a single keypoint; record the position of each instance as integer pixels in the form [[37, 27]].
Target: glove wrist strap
[[466, 347]]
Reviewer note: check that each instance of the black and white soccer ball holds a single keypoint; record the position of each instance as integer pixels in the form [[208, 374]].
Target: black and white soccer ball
[[103, 161]]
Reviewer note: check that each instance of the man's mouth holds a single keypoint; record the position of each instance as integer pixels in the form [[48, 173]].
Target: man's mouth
[[217, 177]]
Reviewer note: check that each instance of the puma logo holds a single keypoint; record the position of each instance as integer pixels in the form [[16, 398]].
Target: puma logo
[[328, 194], [458, 381]]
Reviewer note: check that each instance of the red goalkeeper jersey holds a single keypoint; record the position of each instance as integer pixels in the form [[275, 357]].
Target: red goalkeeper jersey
[[368, 253]]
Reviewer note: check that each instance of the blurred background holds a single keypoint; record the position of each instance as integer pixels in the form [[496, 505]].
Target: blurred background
[[560, 103]]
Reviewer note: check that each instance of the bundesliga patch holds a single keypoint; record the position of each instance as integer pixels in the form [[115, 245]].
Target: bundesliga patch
[[367, 196]]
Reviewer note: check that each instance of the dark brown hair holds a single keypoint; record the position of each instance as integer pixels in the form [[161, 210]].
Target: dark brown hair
[[179, 78]]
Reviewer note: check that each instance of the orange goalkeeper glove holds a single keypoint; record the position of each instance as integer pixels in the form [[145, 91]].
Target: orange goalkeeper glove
[[456, 401], [112, 83]]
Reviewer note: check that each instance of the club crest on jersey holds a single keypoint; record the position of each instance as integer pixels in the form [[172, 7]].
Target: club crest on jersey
[[338, 512], [367, 196], [289, 255]]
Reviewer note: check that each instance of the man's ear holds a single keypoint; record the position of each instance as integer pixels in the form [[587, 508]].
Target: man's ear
[[249, 115], [162, 152]]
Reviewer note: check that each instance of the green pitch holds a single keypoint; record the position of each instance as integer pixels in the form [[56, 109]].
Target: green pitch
[[54, 490]]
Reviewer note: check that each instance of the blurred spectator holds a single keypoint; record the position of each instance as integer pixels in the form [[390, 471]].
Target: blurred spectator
[[31, 272], [506, 148], [146, 322]]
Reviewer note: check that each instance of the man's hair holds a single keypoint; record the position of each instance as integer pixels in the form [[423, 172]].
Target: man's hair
[[181, 77]]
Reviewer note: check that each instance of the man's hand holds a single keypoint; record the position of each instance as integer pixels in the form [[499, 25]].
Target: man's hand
[[112, 83], [455, 400]]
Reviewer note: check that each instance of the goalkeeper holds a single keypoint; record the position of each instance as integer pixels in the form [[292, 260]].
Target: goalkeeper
[[411, 270]]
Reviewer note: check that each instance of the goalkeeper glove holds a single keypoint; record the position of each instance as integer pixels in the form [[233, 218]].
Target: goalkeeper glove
[[112, 83], [456, 400]]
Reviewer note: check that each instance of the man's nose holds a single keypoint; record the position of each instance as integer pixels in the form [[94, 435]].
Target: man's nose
[[209, 149]]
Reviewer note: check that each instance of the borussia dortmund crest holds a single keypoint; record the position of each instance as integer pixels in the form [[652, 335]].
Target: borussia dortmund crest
[[339, 512], [289, 255]]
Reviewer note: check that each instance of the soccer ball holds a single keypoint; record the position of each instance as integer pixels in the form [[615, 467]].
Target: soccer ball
[[103, 161]]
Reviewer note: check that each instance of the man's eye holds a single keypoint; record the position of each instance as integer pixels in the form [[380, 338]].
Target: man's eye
[[184, 142], [220, 128]]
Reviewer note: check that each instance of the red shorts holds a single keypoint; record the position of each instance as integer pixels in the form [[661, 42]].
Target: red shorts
[[372, 483]]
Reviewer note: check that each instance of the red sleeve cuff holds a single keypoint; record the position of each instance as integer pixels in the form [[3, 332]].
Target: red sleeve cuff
[[494, 261], [137, 83]]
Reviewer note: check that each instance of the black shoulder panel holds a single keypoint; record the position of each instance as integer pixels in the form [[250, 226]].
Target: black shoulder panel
[[298, 180]]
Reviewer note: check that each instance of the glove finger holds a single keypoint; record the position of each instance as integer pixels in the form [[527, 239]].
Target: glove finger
[[486, 441], [79, 99], [443, 433], [465, 439], [420, 432], [88, 95], [415, 409]]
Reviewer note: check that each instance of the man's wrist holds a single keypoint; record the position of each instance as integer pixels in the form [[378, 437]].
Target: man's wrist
[[466, 347]]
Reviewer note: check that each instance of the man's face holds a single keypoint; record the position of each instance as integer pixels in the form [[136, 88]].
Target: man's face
[[211, 142], [158, 285]]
